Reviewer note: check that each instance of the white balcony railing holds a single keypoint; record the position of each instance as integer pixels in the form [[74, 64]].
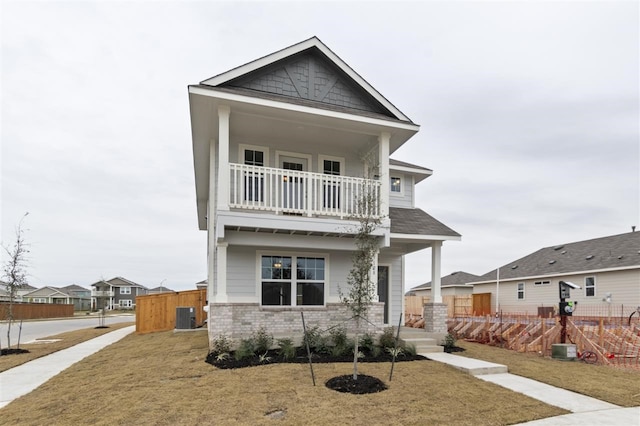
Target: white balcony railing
[[99, 293], [306, 193]]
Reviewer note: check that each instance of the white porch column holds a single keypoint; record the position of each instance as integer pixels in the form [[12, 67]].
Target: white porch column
[[223, 157], [211, 223], [221, 273], [436, 295], [383, 158]]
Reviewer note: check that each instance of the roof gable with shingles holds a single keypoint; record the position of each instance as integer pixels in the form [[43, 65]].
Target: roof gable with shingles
[[309, 71], [613, 252], [417, 222]]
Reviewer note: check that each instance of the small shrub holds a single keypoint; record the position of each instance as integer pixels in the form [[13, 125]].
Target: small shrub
[[246, 349], [222, 356], [221, 345], [286, 349], [367, 342], [339, 336], [262, 340], [449, 341], [387, 339], [264, 358], [376, 351], [411, 349], [317, 342], [395, 351]]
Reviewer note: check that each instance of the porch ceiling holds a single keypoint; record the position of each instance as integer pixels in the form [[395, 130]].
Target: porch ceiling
[[263, 230]]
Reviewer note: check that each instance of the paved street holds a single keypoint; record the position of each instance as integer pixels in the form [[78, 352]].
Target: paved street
[[33, 329]]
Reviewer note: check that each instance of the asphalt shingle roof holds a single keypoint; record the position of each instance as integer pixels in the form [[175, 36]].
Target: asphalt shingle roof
[[417, 222], [617, 251], [455, 278]]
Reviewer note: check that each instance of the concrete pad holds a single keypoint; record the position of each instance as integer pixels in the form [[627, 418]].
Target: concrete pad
[[551, 395], [472, 366], [615, 417], [24, 378]]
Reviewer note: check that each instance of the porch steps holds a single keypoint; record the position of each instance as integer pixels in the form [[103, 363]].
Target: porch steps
[[416, 337]]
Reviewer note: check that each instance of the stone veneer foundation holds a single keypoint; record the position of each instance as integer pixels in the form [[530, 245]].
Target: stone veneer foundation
[[435, 318], [240, 320]]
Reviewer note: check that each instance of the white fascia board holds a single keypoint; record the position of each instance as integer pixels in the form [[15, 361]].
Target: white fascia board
[[297, 48], [559, 274], [417, 237], [411, 170], [234, 97]]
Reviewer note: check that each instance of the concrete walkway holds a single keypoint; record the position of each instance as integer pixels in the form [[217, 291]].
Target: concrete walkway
[[24, 378], [585, 410]]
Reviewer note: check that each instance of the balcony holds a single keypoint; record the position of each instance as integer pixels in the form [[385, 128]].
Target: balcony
[[302, 193], [99, 293]]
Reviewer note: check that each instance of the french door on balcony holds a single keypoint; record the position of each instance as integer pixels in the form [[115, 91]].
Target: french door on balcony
[[293, 184]]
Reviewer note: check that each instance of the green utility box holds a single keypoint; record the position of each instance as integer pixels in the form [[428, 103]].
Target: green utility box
[[563, 351]]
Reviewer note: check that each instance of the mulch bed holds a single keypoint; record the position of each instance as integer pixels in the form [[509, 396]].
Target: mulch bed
[[363, 385], [13, 351]]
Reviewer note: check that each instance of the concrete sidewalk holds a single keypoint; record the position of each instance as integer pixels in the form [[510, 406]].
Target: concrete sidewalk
[[585, 410], [24, 378]]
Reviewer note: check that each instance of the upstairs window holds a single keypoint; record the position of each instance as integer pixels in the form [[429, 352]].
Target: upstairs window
[[125, 290], [590, 286], [542, 283], [330, 188], [520, 291], [396, 185], [253, 157], [253, 182]]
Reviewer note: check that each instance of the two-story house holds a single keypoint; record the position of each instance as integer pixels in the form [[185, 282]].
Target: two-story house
[[284, 147], [116, 293]]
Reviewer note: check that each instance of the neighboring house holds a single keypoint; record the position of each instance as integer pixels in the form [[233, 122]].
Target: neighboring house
[[283, 146], [160, 289], [81, 297], [454, 284], [608, 266], [20, 291], [116, 293], [201, 285], [48, 294]]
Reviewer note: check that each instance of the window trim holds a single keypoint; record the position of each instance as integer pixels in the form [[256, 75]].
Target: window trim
[[121, 291], [589, 287], [340, 160], [519, 291], [391, 191], [242, 147], [294, 279]]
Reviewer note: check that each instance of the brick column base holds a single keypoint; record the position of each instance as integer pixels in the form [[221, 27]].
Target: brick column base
[[435, 318]]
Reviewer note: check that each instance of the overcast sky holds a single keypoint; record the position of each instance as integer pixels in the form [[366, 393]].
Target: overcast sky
[[529, 115]]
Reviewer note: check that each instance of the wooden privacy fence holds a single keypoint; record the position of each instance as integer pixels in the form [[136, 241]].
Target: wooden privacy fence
[[157, 312], [23, 311], [456, 305]]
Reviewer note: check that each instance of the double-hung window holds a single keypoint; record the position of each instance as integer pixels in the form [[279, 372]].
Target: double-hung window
[[292, 280], [125, 290], [590, 286], [520, 291], [396, 185]]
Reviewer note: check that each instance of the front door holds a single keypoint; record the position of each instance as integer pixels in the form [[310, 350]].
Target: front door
[[383, 290]]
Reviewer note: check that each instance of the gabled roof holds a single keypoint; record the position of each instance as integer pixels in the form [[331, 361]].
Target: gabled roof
[[417, 222], [162, 289], [606, 253], [345, 77], [73, 287], [459, 278], [419, 173], [47, 291], [118, 282]]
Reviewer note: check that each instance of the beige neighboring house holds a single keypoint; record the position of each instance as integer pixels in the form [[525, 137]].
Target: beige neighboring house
[[48, 294], [602, 267], [21, 291], [160, 289], [454, 284], [116, 293]]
